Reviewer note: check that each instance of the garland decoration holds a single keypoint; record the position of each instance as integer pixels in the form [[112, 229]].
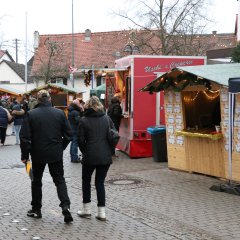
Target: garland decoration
[[87, 78], [179, 83]]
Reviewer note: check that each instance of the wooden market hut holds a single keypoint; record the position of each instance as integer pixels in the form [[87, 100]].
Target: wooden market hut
[[10, 92], [195, 102], [61, 95]]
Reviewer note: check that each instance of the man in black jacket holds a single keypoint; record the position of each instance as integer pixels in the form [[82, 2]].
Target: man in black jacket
[[45, 133], [115, 113]]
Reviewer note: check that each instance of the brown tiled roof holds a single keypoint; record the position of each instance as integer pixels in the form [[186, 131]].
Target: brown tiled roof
[[19, 69], [219, 53], [102, 47], [3, 52], [100, 51]]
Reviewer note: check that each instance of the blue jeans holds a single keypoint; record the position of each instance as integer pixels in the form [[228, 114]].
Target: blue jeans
[[17, 129], [74, 148]]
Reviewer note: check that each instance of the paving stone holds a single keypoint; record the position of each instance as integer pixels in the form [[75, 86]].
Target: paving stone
[[152, 202]]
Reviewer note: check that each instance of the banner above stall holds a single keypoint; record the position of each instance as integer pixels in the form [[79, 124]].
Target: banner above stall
[[179, 78]]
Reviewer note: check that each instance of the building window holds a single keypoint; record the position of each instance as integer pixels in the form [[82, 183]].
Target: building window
[[4, 82]]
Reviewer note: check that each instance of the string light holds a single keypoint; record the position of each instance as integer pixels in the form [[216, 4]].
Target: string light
[[214, 96], [189, 100], [214, 91]]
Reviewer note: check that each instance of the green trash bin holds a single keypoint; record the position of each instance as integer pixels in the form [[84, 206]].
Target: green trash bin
[[159, 143]]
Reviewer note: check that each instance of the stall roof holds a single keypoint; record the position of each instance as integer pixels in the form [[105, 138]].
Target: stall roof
[[101, 88], [7, 89], [219, 73], [58, 86]]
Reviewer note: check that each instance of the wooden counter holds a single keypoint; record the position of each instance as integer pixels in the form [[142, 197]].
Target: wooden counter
[[203, 133]]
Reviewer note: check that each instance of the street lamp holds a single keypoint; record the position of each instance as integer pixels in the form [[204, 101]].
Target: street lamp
[[131, 49]]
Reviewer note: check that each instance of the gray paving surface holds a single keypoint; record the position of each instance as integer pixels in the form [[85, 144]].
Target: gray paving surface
[[145, 200]]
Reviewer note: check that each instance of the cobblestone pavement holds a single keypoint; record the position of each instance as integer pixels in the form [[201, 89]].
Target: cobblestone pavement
[[145, 200]]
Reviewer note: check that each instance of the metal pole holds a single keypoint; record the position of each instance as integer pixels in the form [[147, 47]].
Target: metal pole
[[158, 105], [230, 133], [238, 22], [26, 68], [93, 77], [72, 46], [16, 44]]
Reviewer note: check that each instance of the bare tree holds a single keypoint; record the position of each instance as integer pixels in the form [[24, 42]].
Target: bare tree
[[170, 26], [53, 62]]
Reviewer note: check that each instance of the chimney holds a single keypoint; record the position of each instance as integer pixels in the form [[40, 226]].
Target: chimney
[[87, 35], [36, 40]]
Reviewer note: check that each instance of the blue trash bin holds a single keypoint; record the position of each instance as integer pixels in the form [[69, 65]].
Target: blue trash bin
[[159, 143]]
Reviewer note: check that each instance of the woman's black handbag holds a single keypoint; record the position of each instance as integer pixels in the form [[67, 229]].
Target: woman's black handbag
[[113, 135]]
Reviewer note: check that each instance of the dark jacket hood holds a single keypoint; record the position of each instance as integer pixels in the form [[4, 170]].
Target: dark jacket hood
[[115, 100], [16, 107], [73, 107], [92, 113]]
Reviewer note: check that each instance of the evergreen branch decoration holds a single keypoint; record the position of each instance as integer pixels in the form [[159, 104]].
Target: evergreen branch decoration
[[178, 83], [88, 78]]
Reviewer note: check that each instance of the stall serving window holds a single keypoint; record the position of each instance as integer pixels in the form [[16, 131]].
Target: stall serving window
[[202, 109], [59, 100]]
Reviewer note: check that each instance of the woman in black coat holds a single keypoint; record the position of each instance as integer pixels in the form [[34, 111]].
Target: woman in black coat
[[96, 152]]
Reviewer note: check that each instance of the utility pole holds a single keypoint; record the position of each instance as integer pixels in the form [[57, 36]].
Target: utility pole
[[26, 67], [16, 47], [238, 22], [72, 46]]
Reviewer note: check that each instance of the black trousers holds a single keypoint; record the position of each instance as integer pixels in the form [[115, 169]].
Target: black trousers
[[3, 132], [101, 173], [57, 174]]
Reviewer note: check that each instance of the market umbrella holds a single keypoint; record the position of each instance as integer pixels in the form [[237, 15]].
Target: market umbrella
[[230, 187]]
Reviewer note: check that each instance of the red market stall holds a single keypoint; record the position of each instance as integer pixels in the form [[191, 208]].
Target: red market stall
[[141, 110]]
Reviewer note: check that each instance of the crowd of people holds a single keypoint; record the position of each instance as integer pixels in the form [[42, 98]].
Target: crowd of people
[[44, 132], [13, 111]]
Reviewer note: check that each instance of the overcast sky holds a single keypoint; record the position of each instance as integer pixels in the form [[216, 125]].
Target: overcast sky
[[55, 16]]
